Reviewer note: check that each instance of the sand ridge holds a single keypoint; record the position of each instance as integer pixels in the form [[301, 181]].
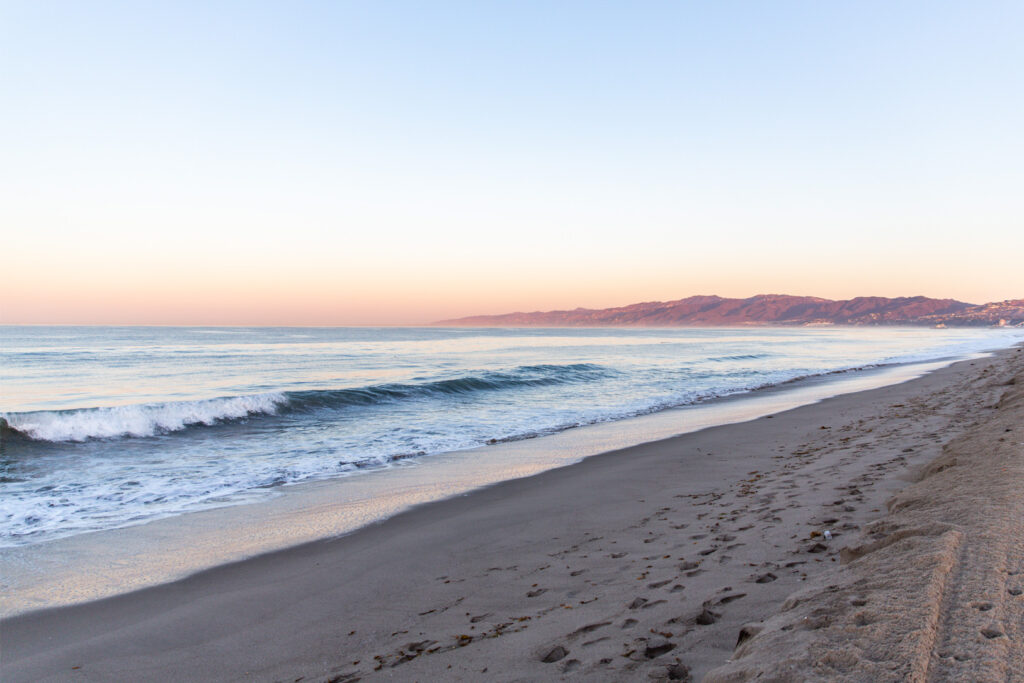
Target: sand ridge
[[648, 563]]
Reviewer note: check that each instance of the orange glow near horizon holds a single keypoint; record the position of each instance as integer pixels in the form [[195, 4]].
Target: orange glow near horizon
[[379, 164], [289, 296]]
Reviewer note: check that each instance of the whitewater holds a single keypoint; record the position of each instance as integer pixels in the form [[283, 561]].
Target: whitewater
[[109, 427]]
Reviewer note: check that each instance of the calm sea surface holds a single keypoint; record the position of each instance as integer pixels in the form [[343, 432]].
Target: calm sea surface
[[102, 427]]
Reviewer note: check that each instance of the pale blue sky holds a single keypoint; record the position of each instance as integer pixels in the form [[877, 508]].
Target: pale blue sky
[[401, 162]]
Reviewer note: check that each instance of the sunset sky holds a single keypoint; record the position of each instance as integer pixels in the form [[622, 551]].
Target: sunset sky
[[391, 162]]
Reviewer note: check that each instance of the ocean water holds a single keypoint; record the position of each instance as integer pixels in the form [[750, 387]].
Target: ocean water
[[104, 427]]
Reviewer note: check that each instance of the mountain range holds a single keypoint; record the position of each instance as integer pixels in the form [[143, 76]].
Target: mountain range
[[767, 309]]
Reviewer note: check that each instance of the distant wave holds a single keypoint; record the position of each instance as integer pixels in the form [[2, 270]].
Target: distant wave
[[150, 419], [523, 376]]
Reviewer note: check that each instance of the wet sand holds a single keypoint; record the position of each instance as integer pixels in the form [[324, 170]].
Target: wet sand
[[643, 563]]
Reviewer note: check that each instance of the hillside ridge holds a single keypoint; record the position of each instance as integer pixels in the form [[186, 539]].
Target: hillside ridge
[[767, 309]]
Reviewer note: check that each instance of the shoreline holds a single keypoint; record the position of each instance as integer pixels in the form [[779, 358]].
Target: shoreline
[[104, 563], [575, 572]]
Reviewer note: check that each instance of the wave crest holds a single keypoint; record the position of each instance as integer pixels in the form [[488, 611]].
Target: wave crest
[[138, 420], [521, 377], [150, 419]]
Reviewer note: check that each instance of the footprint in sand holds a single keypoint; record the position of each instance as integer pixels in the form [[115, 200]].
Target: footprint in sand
[[571, 666], [589, 628], [706, 617], [658, 648], [553, 654]]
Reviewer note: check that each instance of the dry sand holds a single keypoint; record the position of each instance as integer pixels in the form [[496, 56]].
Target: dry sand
[[933, 590], [645, 563]]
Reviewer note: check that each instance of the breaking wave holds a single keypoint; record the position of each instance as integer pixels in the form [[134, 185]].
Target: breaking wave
[[151, 419], [137, 420]]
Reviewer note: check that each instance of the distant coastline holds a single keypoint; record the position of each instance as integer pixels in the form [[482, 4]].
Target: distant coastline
[[767, 309]]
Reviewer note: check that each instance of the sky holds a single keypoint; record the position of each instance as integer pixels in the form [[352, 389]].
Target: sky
[[331, 163]]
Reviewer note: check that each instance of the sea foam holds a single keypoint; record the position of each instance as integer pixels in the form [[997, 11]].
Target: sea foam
[[104, 427], [150, 419], [138, 420]]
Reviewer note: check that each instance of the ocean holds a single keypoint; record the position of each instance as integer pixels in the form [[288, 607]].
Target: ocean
[[107, 427]]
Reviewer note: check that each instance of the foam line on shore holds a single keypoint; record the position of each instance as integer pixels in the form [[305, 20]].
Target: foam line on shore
[[169, 548]]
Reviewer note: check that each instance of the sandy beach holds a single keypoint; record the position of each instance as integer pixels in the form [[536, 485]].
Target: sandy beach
[[703, 556]]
